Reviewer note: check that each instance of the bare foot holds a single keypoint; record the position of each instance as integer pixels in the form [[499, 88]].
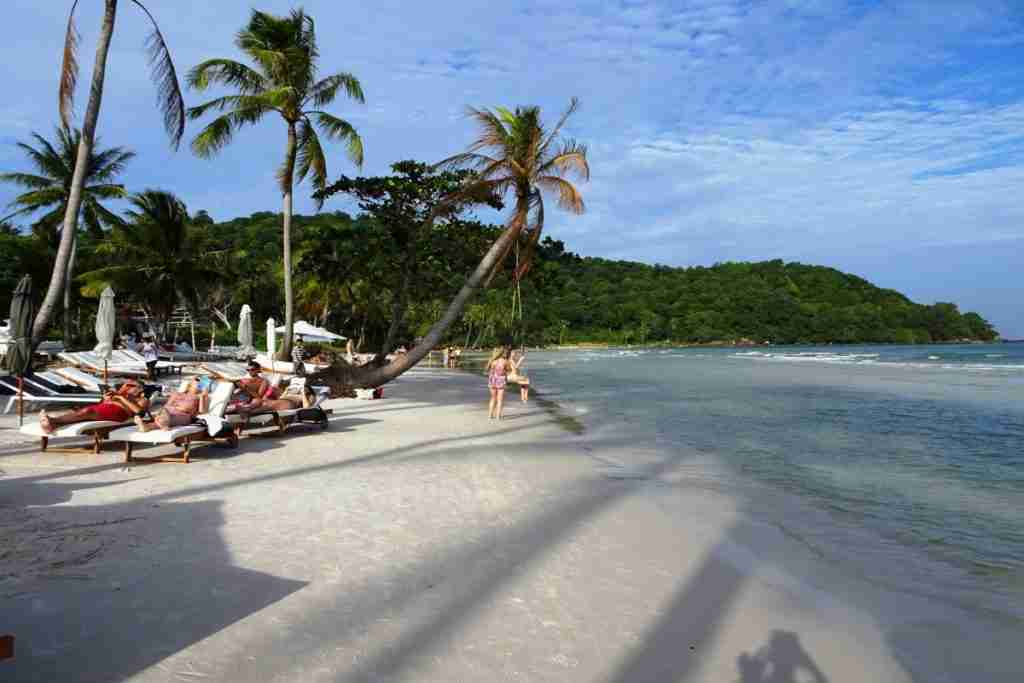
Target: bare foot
[[44, 422]]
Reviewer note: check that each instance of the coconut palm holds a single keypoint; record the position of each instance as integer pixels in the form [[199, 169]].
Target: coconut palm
[[170, 103], [50, 189], [284, 81], [158, 256], [514, 153]]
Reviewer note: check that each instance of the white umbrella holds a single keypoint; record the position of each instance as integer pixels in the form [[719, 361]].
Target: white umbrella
[[313, 333], [106, 321], [271, 341], [245, 332]]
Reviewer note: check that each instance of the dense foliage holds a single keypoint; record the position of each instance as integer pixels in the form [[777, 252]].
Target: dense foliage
[[349, 266]]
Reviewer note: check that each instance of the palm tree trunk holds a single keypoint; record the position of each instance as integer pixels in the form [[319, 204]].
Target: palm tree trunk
[[287, 176], [68, 336], [376, 376], [399, 303], [92, 113]]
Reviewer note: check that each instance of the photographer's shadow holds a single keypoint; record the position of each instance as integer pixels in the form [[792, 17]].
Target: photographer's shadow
[[782, 660]]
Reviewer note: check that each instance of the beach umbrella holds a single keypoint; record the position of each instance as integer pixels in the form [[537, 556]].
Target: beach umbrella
[[271, 340], [106, 322], [312, 333], [245, 332], [19, 350]]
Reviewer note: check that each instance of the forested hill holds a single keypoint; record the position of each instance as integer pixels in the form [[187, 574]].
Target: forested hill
[[605, 300]]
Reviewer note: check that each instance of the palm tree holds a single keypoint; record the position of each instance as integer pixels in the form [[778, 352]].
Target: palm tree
[[170, 102], [284, 81], [159, 256], [516, 153], [50, 189]]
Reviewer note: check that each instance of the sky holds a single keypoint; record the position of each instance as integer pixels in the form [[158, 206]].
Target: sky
[[881, 138]]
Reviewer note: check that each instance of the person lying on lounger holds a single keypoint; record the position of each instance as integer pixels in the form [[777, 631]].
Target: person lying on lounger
[[181, 407], [117, 406], [291, 398], [251, 392]]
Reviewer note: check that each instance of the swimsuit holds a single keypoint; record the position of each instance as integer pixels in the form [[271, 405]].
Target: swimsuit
[[113, 412], [496, 379]]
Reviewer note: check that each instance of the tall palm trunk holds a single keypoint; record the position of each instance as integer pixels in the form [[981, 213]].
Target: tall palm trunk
[[377, 376], [92, 113], [68, 336], [287, 178]]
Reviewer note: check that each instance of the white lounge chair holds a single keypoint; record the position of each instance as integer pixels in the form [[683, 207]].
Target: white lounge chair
[[182, 436], [226, 369], [282, 419], [284, 366], [34, 393], [82, 379], [97, 430]]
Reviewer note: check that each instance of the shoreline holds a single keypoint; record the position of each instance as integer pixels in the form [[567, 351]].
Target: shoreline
[[414, 540]]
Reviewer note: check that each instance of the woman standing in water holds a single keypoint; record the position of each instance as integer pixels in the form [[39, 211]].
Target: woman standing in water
[[497, 371]]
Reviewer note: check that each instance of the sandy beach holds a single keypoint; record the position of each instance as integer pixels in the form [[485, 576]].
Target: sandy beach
[[413, 541]]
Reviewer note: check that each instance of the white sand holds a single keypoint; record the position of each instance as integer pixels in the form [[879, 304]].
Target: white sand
[[413, 541]]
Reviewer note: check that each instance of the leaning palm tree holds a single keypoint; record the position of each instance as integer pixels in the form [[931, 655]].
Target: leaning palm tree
[[515, 153], [50, 188], [284, 81], [158, 257], [170, 103]]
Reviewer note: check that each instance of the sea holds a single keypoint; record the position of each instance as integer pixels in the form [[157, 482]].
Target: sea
[[905, 464]]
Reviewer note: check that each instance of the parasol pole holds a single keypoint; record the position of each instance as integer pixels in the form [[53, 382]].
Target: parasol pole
[[21, 400]]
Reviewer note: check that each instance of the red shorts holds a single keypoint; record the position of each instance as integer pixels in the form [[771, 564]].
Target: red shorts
[[110, 411]]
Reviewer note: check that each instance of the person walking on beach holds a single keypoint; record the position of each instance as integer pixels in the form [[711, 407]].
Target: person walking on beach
[[151, 354], [497, 371], [298, 354], [516, 375]]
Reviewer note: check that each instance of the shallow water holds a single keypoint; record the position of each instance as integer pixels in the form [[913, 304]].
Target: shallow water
[[911, 458]]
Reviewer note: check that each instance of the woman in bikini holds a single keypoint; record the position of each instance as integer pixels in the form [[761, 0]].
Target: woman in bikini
[[116, 406], [497, 371], [180, 409], [515, 374]]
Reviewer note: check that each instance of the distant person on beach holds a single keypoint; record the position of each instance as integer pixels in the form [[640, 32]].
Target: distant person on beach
[[497, 371], [117, 406], [151, 354], [298, 351], [515, 374], [181, 407]]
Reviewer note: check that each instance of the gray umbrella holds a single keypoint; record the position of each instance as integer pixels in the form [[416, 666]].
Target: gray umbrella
[[19, 351], [245, 333]]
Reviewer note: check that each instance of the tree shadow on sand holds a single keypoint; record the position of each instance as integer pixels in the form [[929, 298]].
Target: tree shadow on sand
[[781, 660]]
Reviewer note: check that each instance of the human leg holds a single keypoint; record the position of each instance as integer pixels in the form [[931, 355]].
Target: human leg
[[493, 403], [501, 400], [52, 422]]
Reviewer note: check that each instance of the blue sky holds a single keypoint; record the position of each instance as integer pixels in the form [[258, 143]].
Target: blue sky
[[883, 138]]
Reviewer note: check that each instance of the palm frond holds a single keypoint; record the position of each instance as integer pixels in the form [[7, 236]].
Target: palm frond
[[571, 158], [109, 163], [107, 217], [68, 70], [574, 104], [37, 199], [220, 131], [106, 191], [342, 131], [164, 75], [235, 102], [493, 135], [569, 197], [326, 90], [26, 180], [311, 157], [50, 165], [89, 218], [227, 72]]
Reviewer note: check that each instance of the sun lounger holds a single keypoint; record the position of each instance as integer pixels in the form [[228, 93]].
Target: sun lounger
[[182, 436], [120, 363], [282, 419], [284, 366], [225, 370], [97, 430], [82, 379], [34, 393]]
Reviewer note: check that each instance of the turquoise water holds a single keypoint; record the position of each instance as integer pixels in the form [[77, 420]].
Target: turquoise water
[[911, 459]]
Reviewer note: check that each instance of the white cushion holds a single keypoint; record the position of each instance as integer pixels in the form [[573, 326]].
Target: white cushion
[[155, 436], [68, 431]]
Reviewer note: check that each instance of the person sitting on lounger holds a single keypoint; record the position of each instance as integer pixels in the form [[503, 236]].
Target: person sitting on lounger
[[251, 391], [291, 398], [117, 406], [181, 407]]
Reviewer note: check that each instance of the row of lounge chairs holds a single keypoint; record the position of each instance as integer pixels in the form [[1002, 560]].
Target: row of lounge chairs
[[214, 425], [122, 362]]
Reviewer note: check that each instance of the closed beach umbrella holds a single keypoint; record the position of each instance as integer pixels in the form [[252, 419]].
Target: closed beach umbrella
[[106, 322], [19, 351], [245, 332], [271, 340]]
